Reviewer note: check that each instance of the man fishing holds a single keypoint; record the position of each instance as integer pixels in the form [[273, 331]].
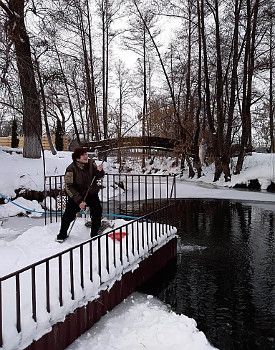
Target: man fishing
[[81, 187]]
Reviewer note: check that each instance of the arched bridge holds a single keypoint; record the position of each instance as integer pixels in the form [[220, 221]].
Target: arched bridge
[[132, 142]]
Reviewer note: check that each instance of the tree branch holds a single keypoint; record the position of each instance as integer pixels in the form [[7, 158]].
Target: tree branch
[[6, 9]]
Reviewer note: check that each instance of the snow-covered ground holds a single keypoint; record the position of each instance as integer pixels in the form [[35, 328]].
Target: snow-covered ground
[[142, 322], [38, 243]]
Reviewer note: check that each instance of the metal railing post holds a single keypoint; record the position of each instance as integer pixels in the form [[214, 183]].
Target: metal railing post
[[108, 194], [137, 237], [91, 260], [1, 317], [18, 307], [61, 196], [114, 193], [45, 207], [133, 238], [175, 193], [55, 184], [60, 275], [126, 194], [81, 267], [139, 205], [120, 246], [107, 253], [146, 194], [127, 242], [99, 257], [48, 286], [72, 273], [33, 294], [114, 250]]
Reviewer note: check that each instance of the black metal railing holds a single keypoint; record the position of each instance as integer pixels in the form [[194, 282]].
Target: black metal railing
[[51, 287], [121, 194]]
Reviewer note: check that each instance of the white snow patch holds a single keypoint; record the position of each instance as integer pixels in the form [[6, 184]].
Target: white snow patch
[[143, 322], [21, 206]]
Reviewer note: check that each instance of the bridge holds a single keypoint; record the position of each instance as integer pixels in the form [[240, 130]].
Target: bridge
[[144, 144]]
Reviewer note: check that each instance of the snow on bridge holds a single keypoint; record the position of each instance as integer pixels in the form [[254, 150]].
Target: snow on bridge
[[43, 281]]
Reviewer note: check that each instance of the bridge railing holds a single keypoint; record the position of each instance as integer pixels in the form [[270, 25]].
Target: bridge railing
[[120, 194], [136, 151], [37, 296]]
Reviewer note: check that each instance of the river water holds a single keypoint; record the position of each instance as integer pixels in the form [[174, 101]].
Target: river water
[[224, 274]]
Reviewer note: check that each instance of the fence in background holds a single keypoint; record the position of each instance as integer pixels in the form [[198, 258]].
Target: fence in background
[[6, 142], [121, 194]]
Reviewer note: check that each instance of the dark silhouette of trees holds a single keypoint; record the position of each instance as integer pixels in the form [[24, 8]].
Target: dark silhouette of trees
[[14, 134], [211, 76], [59, 136]]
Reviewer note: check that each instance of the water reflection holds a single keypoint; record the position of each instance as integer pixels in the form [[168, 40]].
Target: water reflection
[[228, 287]]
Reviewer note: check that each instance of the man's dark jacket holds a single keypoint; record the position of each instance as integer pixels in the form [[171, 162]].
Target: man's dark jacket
[[78, 178]]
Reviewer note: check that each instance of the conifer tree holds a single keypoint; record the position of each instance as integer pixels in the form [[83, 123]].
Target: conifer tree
[[59, 136], [14, 138]]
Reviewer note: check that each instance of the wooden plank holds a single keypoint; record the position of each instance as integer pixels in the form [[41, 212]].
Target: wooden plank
[[5, 141]]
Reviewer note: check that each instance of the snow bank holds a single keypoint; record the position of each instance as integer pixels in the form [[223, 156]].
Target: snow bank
[[258, 166], [143, 323], [21, 206], [18, 172]]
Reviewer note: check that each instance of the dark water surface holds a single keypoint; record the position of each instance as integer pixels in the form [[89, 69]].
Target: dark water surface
[[224, 276]]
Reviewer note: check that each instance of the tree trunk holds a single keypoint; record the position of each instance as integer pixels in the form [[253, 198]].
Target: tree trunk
[[119, 133], [197, 161], [106, 81], [215, 136], [188, 68], [271, 109], [44, 103], [79, 105], [89, 73], [206, 74], [94, 113], [69, 97], [32, 125], [232, 101], [247, 85], [104, 97], [145, 100], [183, 132], [219, 91], [191, 173]]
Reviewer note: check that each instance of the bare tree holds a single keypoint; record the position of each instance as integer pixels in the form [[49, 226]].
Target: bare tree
[[86, 41], [271, 15], [108, 10], [44, 104], [32, 124], [248, 72], [68, 95], [138, 40]]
